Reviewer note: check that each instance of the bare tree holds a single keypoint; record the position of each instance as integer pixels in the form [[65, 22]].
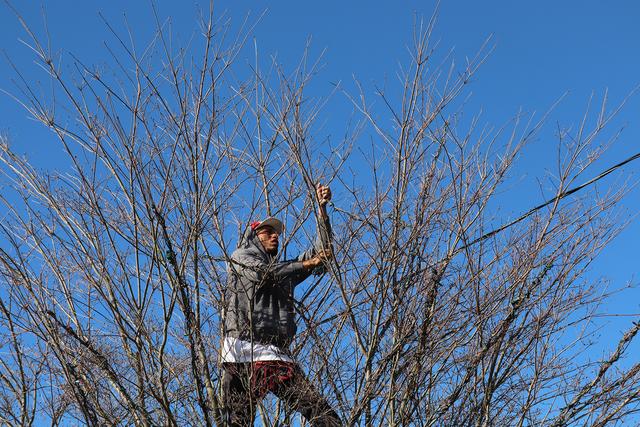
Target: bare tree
[[112, 264]]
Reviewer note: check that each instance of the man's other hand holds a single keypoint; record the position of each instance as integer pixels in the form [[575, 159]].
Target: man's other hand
[[320, 258]]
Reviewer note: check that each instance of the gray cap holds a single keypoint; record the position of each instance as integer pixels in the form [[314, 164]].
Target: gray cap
[[274, 223]]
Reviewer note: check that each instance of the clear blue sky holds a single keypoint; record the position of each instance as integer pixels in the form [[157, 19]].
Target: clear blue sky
[[543, 49]]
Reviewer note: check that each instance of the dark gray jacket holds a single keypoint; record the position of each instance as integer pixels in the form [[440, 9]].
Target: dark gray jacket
[[259, 302]]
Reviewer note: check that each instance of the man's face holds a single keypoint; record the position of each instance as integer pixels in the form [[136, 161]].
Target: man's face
[[269, 239]]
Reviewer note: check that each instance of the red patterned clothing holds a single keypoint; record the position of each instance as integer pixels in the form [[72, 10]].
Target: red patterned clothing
[[245, 384]]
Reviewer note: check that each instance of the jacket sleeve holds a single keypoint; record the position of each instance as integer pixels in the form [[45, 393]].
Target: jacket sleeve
[[253, 268], [323, 240]]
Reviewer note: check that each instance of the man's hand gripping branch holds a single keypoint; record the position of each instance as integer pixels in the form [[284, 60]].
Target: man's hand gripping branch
[[323, 195]]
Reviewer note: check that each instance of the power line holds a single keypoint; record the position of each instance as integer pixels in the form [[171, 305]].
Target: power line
[[550, 201]]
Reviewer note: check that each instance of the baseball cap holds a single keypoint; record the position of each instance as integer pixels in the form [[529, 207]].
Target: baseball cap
[[274, 223]]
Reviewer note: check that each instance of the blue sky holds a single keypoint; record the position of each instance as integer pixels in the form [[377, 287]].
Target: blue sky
[[542, 50]]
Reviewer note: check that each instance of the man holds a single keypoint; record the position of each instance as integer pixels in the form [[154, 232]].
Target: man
[[259, 324]]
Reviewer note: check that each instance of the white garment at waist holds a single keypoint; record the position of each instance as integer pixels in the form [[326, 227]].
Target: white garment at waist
[[235, 350]]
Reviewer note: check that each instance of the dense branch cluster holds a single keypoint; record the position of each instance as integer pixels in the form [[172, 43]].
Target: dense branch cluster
[[112, 265]]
